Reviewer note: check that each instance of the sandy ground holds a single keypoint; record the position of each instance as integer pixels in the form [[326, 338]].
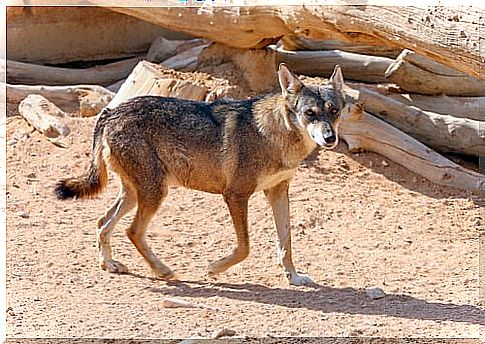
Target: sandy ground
[[356, 224]]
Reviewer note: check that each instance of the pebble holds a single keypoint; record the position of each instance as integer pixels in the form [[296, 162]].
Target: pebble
[[24, 215], [225, 332], [375, 293]]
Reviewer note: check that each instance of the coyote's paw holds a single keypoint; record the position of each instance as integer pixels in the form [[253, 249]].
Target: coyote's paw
[[215, 268], [212, 274], [165, 275], [114, 266], [301, 279]]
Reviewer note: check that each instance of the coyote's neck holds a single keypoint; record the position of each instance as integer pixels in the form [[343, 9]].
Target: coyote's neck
[[276, 122]]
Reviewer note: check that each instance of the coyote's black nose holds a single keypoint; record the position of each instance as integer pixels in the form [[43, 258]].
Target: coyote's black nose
[[330, 139]]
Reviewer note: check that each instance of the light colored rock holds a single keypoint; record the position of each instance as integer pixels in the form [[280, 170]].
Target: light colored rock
[[375, 293]]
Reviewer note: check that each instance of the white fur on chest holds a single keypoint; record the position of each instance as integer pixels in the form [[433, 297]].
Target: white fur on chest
[[266, 182]]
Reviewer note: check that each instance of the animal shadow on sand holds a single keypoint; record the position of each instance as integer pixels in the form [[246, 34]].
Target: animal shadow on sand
[[328, 300]]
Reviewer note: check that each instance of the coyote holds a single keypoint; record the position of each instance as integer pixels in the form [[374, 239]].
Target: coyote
[[229, 147]]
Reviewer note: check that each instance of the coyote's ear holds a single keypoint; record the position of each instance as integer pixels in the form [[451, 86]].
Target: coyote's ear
[[289, 82], [337, 79]]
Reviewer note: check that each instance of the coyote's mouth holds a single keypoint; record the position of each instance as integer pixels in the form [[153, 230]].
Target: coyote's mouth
[[325, 138]]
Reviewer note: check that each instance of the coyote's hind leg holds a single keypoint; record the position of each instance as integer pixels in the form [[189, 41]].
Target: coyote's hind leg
[[148, 203], [124, 203]]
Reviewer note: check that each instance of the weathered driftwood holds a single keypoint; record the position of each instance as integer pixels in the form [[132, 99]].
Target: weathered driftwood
[[149, 79], [300, 42], [416, 74], [87, 99], [185, 61], [162, 48], [462, 107], [60, 34], [427, 64], [32, 74], [43, 116], [422, 29], [444, 133], [321, 63], [364, 132]]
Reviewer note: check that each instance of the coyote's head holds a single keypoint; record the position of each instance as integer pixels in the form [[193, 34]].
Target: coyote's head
[[315, 109]]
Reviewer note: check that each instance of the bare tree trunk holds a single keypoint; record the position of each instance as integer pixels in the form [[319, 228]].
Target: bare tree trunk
[[300, 42], [364, 132], [461, 107], [443, 132], [38, 33], [43, 116], [413, 73], [32, 74], [421, 29], [321, 63], [68, 98]]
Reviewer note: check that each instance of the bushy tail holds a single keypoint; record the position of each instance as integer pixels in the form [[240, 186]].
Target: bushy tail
[[96, 178]]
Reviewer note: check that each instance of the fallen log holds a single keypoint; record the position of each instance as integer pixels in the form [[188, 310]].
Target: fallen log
[[364, 132], [150, 79], [416, 74], [185, 61], [427, 64], [321, 63], [300, 42], [462, 107], [32, 74], [58, 34], [444, 133], [162, 48], [85, 99], [422, 29], [43, 116]]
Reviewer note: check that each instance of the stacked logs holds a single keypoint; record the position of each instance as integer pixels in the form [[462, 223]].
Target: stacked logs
[[407, 105]]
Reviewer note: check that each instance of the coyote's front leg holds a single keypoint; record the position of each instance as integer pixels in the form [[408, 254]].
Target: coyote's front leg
[[238, 207], [278, 198]]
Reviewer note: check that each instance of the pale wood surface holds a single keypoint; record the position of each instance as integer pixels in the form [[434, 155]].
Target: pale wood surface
[[162, 48], [413, 73], [33, 74], [68, 98], [299, 42], [60, 34], [449, 35], [444, 133], [321, 63], [364, 132], [462, 107], [43, 116], [148, 79]]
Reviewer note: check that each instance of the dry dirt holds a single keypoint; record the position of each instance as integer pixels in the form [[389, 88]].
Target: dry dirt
[[356, 224]]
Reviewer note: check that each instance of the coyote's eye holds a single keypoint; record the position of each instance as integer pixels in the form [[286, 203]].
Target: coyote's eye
[[310, 113]]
